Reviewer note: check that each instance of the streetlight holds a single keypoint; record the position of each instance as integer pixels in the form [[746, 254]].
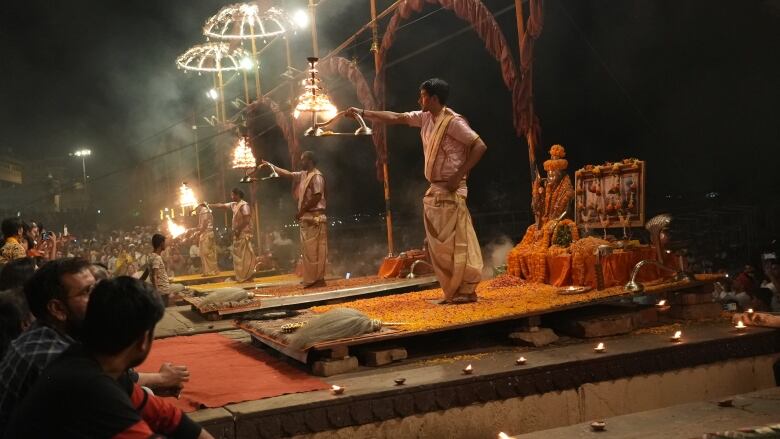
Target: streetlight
[[83, 153]]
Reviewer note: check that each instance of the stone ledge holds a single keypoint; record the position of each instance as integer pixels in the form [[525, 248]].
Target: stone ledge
[[219, 422], [313, 414]]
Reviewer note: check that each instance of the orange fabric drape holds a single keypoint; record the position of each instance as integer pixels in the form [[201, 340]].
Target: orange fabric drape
[[617, 269]]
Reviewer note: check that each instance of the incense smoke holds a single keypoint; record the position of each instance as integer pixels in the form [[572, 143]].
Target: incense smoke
[[494, 254]]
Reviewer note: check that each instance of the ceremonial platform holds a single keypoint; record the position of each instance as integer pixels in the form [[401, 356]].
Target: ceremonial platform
[[418, 313], [199, 280], [285, 293]]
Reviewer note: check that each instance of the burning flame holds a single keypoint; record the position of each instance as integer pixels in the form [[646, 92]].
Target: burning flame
[[187, 196], [335, 388], [750, 311], [174, 229], [243, 157], [677, 335], [661, 302], [502, 435], [468, 367], [740, 325], [600, 347]]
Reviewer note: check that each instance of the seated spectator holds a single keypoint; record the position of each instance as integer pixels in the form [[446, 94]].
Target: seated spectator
[[12, 240], [15, 273], [87, 391], [771, 266], [57, 295], [15, 317]]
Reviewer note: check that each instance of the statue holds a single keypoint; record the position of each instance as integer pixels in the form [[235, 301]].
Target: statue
[[550, 199]]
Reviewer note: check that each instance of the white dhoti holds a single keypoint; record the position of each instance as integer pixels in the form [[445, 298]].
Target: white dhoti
[[243, 257], [208, 253], [452, 244], [314, 247]]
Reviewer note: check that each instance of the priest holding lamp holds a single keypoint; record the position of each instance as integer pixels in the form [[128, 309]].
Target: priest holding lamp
[[310, 193], [451, 149]]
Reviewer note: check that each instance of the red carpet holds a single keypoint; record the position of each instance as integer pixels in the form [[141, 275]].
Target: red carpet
[[224, 371]]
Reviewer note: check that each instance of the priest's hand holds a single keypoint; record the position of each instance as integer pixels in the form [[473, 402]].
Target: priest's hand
[[453, 183], [352, 112]]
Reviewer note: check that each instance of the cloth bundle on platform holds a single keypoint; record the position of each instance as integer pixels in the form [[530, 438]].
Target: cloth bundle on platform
[[225, 295], [334, 324]]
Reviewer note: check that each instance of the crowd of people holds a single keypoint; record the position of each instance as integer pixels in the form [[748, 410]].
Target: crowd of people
[[72, 332]]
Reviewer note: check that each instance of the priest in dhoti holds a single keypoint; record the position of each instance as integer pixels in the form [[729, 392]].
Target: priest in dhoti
[[451, 149], [243, 255], [310, 194], [207, 246]]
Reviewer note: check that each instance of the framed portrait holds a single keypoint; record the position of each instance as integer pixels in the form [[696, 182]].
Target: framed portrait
[[610, 195]]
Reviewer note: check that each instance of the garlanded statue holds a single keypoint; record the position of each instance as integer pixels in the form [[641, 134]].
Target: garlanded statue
[[550, 234]]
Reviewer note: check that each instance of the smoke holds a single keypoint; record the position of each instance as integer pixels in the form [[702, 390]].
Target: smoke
[[494, 254]]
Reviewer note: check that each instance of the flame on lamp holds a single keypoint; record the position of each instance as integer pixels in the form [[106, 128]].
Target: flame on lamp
[[314, 99], [502, 435], [750, 311], [187, 196], [661, 302], [600, 348], [174, 229], [242, 156], [740, 325], [677, 336]]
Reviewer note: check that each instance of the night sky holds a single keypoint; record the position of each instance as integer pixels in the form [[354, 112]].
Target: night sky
[[691, 87]]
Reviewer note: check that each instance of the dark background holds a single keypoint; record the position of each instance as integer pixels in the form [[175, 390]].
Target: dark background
[[690, 87]]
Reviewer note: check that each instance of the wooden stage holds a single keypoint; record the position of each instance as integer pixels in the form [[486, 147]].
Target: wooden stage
[[280, 295], [488, 311], [222, 276]]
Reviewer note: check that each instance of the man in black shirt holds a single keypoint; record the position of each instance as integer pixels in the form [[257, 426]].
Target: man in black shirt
[[86, 392]]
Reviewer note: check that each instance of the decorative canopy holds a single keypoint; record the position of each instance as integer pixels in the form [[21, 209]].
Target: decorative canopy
[[212, 57], [242, 21]]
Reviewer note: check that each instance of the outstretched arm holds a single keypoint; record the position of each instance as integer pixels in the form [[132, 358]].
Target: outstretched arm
[[386, 117], [281, 171]]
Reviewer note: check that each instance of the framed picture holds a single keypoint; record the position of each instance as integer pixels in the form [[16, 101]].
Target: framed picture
[[610, 195]]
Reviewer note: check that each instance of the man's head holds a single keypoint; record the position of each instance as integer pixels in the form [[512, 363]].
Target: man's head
[[121, 317], [11, 227], [59, 291], [433, 94], [35, 229], [158, 242], [99, 272], [15, 273], [236, 194], [308, 160]]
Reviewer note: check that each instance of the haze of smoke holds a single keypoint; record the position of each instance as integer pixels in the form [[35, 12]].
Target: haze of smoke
[[494, 254]]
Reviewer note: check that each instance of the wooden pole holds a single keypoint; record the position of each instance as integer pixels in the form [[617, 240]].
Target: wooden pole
[[313, 20], [529, 137], [385, 170], [256, 61]]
